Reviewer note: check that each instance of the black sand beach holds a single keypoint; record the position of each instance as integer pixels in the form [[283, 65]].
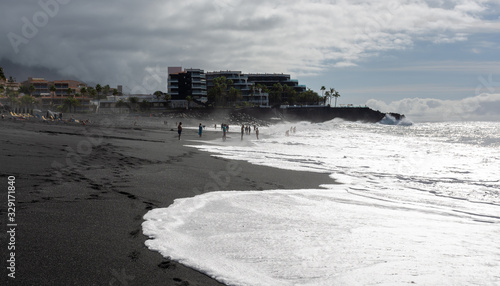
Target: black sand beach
[[81, 193]]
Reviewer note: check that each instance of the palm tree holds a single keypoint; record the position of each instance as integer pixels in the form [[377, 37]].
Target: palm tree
[[252, 93], [323, 88], [106, 90], [189, 99], [71, 102], [98, 89], [234, 94], [276, 93], [144, 105], [327, 95], [120, 103], [12, 95], [92, 92], [219, 92], [332, 92], [69, 91], [27, 101], [133, 100], [31, 89], [83, 91], [261, 88], [53, 90], [2, 75], [336, 94], [289, 92], [167, 98], [158, 94]]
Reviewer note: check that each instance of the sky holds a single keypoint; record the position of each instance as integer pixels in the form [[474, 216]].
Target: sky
[[426, 59]]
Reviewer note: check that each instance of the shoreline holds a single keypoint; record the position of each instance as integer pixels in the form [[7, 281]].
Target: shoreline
[[82, 192]]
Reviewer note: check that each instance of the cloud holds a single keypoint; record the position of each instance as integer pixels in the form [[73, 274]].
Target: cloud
[[483, 107], [117, 42], [473, 67]]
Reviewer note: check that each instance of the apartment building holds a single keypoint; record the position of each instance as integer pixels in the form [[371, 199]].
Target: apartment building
[[195, 83], [270, 79], [12, 85], [240, 81], [190, 82], [46, 98], [42, 86]]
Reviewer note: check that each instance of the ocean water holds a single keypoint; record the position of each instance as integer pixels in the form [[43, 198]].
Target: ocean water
[[415, 203]]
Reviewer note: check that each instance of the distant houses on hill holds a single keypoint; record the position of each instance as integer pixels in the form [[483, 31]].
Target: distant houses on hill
[[187, 88]]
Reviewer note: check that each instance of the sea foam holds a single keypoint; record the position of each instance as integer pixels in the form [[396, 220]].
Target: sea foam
[[416, 204]]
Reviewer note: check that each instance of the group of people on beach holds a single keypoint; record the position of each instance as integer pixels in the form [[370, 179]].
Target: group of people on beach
[[248, 129], [292, 130], [225, 129], [179, 129]]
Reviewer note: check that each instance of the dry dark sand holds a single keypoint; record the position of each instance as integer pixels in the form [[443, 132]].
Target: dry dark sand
[[81, 193]]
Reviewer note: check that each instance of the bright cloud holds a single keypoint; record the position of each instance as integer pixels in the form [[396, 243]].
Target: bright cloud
[[483, 107], [115, 41]]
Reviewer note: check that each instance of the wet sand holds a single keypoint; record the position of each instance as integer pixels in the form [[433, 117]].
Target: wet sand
[[81, 193]]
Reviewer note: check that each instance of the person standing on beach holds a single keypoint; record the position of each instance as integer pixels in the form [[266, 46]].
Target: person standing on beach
[[224, 130], [200, 129], [257, 133], [179, 129], [242, 131]]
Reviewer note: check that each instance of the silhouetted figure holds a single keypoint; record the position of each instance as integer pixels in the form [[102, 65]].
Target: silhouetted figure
[[179, 129]]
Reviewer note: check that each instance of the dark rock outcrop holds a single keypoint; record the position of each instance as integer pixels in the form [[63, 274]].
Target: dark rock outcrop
[[317, 114], [264, 116]]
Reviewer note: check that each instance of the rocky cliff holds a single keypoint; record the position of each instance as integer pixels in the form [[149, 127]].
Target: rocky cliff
[[316, 114]]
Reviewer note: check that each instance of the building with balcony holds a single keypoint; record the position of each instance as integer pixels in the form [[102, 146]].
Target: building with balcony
[[189, 82], [195, 83], [51, 99], [42, 86], [63, 85], [240, 82], [10, 84], [270, 79]]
